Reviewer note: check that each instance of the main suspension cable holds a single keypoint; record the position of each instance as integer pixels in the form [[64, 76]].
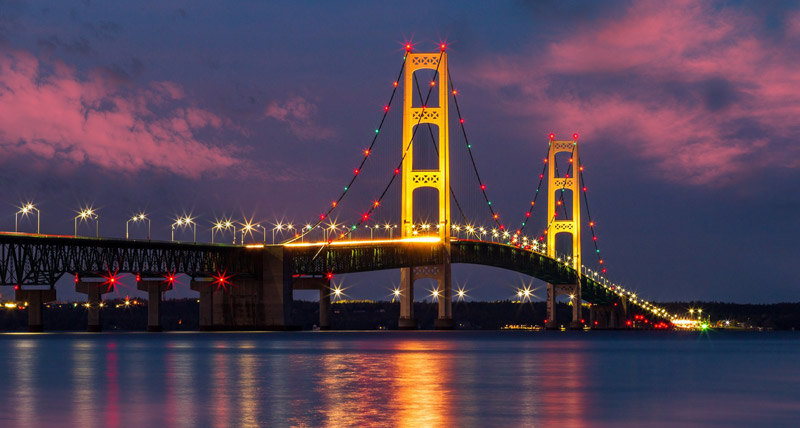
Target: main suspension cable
[[367, 152]]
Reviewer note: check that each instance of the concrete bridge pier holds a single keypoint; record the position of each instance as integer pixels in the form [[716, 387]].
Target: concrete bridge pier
[[260, 302], [154, 288], [577, 308], [445, 287], [573, 290], [208, 289], [94, 291], [34, 300], [324, 286], [407, 320]]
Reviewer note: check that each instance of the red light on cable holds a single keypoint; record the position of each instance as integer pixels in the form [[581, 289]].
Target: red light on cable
[[527, 214], [329, 275], [408, 47], [461, 120], [483, 187], [322, 216], [443, 46], [552, 137], [575, 136], [385, 108], [397, 171]]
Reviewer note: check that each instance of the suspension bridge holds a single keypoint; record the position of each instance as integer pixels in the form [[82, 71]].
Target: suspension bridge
[[251, 286]]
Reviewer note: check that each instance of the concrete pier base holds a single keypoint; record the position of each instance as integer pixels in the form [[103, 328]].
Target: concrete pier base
[[407, 324], [34, 299], [444, 324], [323, 285], [94, 291], [154, 288], [209, 288]]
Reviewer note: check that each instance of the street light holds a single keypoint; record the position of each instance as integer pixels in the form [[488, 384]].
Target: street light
[[390, 228], [137, 218], [278, 226], [307, 227], [86, 215], [248, 228], [332, 227], [183, 222], [221, 226], [25, 210]]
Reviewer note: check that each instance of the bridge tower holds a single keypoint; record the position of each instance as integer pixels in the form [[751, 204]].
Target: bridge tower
[[439, 179], [557, 189]]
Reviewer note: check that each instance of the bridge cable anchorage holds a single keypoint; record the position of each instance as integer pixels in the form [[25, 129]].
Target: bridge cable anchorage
[[367, 153], [436, 149], [453, 91], [377, 202]]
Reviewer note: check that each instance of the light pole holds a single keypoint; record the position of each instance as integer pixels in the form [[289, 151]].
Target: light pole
[[86, 215], [278, 226], [25, 210], [137, 218], [183, 222], [307, 227], [247, 228], [221, 226], [390, 228], [332, 227]]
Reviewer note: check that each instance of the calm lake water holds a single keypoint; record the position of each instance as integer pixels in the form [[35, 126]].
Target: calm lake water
[[406, 379]]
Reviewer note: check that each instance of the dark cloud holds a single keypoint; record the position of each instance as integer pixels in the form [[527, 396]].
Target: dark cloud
[[103, 30], [718, 93], [78, 45]]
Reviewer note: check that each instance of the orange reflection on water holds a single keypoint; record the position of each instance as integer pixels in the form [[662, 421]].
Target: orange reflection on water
[[563, 388], [421, 371]]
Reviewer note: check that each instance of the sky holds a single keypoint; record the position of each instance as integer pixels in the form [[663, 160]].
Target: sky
[[687, 113]]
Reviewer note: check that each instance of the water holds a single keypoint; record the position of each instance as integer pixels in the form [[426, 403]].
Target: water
[[415, 379]]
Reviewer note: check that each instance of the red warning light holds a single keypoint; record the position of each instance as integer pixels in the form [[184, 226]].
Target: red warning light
[[552, 137], [575, 136]]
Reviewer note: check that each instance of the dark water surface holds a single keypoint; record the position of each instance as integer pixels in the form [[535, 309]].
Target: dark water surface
[[415, 379]]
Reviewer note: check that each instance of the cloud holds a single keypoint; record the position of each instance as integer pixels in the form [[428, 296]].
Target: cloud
[[297, 112], [696, 89], [49, 112]]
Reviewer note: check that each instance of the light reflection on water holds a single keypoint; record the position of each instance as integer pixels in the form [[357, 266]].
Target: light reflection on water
[[415, 379]]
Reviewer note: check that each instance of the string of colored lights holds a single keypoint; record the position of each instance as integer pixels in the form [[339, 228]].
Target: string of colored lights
[[365, 216], [453, 91], [367, 152], [591, 222], [436, 150], [535, 197]]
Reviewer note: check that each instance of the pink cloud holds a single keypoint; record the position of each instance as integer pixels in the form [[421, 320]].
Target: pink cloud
[[297, 112], [58, 115], [731, 78]]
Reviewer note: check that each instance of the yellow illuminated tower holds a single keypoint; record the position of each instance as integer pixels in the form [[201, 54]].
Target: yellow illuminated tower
[[568, 187], [439, 179]]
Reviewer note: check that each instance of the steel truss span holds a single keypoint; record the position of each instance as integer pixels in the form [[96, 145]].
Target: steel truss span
[[362, 258], [42, 260]]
